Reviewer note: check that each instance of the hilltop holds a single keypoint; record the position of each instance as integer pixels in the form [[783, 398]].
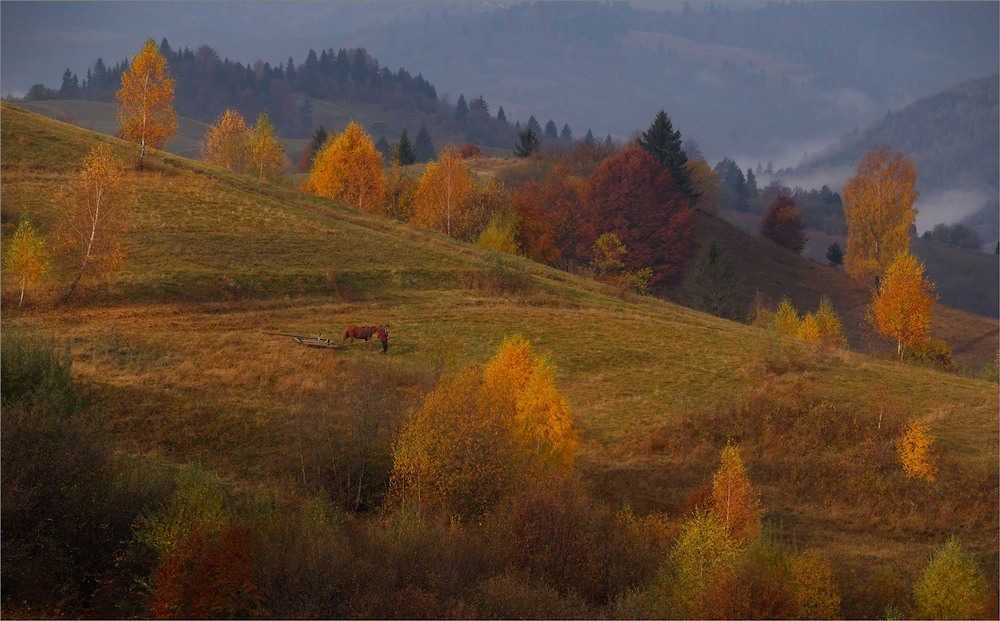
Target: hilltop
[[176, 346]]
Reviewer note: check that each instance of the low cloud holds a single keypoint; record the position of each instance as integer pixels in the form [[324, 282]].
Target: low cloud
[[950, 206]]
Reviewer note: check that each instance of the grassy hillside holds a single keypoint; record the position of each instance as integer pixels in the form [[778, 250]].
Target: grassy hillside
[[176, 345]]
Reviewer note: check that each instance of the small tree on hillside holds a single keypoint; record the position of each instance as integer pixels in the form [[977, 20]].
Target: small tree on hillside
[[146, 101], [665, 145], [783, 224], [952, 586], [266, 151], [903, 304], [91, 235], [735, 501], [423, 147], [834, 255], [348, 168], [26, 257], [227, 142]]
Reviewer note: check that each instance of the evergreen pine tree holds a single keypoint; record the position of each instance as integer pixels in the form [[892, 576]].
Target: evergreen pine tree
[[834, 255], [589, 138], [551, 133], [534, 126], [461, 108], [405, 151], [423, 148], [663, 143], [501, 116], [566, 134], [711, 285], [529, 143]]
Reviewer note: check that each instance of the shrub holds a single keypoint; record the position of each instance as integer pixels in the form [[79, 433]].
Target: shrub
[[704, 555], [931, 352], [813, 588], [786, 318], [516, 594]]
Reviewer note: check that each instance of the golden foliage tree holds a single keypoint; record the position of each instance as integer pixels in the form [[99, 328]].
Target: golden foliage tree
[[444, 194], [878, 205], [902, 307], [828, 323], [704, 555], [482, 432], [146, 101], [813, 588], [26, 257], [916, 451], [952, 586], [266, 151], [399, 191], [786, 319], [90, 237], [348, 168], [735, 501], [500, 233], [226, 143]]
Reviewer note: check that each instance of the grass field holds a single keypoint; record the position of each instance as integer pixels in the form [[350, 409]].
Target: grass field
[[176, 345]]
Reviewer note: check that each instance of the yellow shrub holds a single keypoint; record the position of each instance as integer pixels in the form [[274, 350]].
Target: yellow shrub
[[916, 451]]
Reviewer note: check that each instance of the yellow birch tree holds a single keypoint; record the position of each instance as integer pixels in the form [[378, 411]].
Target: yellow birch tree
[[26, 257], [227, 142], [444, 193], [903, 304], [348, 168], [266, 151], [146, 101], [916, 451], [878, 205], [90, 237]]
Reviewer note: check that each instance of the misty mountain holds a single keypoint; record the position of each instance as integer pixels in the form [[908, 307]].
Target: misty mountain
[[751, 81], [953, 137]]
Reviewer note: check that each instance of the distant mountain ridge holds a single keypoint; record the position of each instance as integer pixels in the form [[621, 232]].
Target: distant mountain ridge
[[953, 137]]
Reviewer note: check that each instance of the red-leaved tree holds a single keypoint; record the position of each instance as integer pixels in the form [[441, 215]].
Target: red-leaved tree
[[633, 196], [550, 230], [783, 224]]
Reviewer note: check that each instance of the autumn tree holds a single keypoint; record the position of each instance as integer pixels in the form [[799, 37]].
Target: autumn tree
[[551, 230], [399, 192], [952, 586], [227, 142], [266, 151], [903, 303], [482, 432], [348, 168], [786, 318], [916, 451], [631, 195], [783, 224], [26, 257], [735, 501], [146, 101], [704, 555], [664, 143], [878, 205], [444, 194], [813, 588], [500, 233], [704, 185], [96, 216]]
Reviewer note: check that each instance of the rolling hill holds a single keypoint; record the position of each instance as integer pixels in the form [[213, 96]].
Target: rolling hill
[[176, 345]]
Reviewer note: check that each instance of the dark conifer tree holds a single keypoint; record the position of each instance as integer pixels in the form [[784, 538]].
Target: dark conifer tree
[[501, 116], [589, 138], [664, 143], [834, 255], [423, 148], [712, 285], [551, 133], [461, 108], [528, 142], [405, 152], [534, 126], [566, 134]]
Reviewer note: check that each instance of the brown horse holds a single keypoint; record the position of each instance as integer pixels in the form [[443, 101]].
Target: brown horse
[[358, 332]]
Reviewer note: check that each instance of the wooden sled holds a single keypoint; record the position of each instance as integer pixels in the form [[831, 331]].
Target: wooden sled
[[319, 342]]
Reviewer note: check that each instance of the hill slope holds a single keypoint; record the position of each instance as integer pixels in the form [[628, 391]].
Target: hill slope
[[176, 344]]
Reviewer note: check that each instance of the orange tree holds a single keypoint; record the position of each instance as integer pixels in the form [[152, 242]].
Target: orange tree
[[878, 205], [146, 101], [348, 168], [549, 230], [90, 236], [903, 303], [735, 502]]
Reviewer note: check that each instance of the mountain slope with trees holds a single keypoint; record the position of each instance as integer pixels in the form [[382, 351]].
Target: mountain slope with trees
[[268, 522]]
